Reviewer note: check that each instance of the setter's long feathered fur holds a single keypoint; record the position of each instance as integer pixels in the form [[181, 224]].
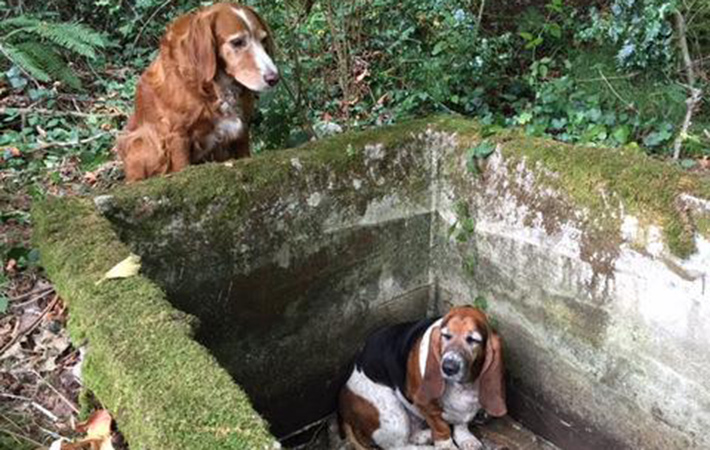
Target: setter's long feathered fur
[[195, 101]]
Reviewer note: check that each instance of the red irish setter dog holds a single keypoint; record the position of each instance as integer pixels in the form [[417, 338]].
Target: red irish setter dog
[[195, 101]]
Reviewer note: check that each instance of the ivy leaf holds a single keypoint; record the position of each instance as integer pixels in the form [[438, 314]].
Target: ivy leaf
[[686, 164], [543, 71], [656, 138], [534, 43], [527, 36], [468, 225], [524, 117], [4, 304], [621, 134], [481, 151], [558, 124]]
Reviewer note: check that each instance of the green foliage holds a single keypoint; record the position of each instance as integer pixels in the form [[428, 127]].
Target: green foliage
[[535, 66], [465, 225], [477, 153], [4, 301], [641, 30], [36, 45], [481, 303], [593, 103]]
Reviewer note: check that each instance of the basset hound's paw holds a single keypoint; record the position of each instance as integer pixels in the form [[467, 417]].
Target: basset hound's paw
[[445, 445], [471, 444], [421, 437]]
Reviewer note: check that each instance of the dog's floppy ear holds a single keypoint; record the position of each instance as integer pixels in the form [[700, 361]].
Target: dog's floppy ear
[[492, 383], [199, 46], [269, 45], [432, 385]]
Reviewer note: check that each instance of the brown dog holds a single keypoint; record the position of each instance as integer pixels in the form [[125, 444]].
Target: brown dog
[[195, 101], [412, 382]]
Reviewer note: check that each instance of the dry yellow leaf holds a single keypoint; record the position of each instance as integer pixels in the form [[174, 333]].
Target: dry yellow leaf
[[129, 267]]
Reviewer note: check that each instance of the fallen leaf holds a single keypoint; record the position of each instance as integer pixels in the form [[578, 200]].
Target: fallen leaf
[[11, 266], [97, 426], [97, 429], [362, 76], [129, 267], [90, 177]]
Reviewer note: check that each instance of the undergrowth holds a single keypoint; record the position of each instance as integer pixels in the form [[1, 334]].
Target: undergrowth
[[603, 73]]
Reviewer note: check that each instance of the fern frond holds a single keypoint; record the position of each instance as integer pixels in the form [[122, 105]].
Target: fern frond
[[74, 37], [19, 22], [51, 62], [86, 34], [37, 46], [25, 61]]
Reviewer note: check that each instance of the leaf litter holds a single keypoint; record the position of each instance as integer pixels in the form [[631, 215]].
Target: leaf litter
[[40, 374]]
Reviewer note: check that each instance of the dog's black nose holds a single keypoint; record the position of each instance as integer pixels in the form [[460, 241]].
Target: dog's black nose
[[451, 367], [271, 78]]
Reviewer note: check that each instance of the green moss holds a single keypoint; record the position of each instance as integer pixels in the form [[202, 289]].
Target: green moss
[[702, 223], [165, 390], [229, 192], [646, 188]]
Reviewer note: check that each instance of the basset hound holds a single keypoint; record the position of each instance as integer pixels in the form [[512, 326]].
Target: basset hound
[[413, 382], [195, 101]]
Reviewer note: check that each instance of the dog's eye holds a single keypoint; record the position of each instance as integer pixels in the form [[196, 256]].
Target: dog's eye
[[446, 336], [238, 42], [470, 340]]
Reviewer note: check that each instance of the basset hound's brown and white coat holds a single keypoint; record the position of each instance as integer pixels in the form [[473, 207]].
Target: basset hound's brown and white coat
[[413, 382]]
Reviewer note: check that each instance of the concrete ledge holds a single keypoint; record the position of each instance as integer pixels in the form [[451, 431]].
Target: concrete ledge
[[164, 389]]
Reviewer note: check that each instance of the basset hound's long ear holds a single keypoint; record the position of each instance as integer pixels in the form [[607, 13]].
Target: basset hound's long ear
[[199, 46], [432, 385], [492, 383]]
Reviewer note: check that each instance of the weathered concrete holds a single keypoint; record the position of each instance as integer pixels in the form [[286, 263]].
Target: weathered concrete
[[607, 335], [288, 260], [286, 293]]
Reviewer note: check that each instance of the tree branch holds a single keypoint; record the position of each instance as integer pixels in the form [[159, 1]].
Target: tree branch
[[695, 93], [340, 52], [55, 112], [480, 13]]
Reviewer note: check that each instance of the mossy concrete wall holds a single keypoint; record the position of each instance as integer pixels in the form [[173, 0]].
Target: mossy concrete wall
[[163, 388], [607, 330], [592, 262], [324, 245]]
